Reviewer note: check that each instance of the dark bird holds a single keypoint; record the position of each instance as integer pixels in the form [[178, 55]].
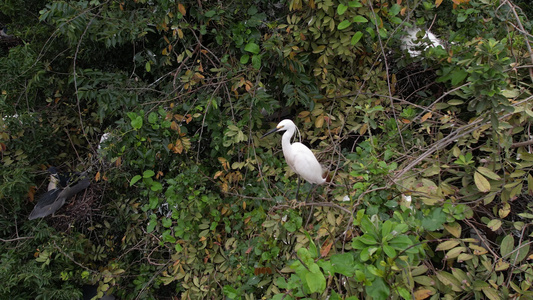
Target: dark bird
[[61, 188]]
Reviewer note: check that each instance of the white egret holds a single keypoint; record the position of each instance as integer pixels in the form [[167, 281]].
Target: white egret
[[299, 158]]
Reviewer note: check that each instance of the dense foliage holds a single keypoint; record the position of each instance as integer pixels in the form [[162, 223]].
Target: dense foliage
[[429, 149]]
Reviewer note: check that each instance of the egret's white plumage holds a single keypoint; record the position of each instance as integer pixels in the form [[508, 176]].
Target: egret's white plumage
[[299, 158]]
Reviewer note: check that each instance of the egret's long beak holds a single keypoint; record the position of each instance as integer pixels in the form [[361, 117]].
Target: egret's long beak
[[270, 132]]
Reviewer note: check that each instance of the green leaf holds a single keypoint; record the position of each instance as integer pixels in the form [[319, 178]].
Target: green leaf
[[315, 279], [360, 19], [378, 289], [355, 3], [341, 9], [152, 118], [156, 186], [148, 173], [135, 179], [151, 226], [394, 10], [343, 264], [435, 220], [137, 123], [256, 62], [482, 184], [356, 37], [367, 239], [458, 76], [148, 67], [252, 48], [523, 252], [507, 246], [210, 13], [389, 251], [344, 24], [244, 59]]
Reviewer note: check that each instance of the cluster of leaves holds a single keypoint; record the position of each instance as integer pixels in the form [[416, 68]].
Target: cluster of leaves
[[431, 179]]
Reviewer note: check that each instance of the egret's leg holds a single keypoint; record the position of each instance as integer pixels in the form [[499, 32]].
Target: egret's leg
[[310, 191], [298, 188], [313, 186]]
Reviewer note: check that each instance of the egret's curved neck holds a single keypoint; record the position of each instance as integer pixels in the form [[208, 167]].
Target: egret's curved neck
[[286, 138]]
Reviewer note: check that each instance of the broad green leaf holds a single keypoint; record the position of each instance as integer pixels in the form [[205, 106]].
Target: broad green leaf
[[135, 179], [389, 251], [151, 226], [148, 173], [507, 245], [482, 184], [137, 123], [356, 37], [256, 61], [355, 3], [523, 251], [344, 24], [148, 67], [394, 10], [378, 290], [341, 9], [360, 19], [252, 48], [210, 13], [368, 239], [156, 186], [315, 280], [244, 59], [343, 264], [458, 76]]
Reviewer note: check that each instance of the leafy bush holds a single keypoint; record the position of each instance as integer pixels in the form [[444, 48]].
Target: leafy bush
[[429, 154]]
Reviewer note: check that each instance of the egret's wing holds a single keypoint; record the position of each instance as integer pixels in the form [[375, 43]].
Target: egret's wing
[[305, 164]]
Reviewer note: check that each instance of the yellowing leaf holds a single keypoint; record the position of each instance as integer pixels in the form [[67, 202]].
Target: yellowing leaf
[[438, 2], [454, 229], [481, 182], [478, 250], [447, 245], [494, 224], [303, 114], [319, 122], [423, 294], [491, 293], [363, 129], [449, 280], [181, 9], [504, 211], [488, 173], [425, 117], [501, 265]]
